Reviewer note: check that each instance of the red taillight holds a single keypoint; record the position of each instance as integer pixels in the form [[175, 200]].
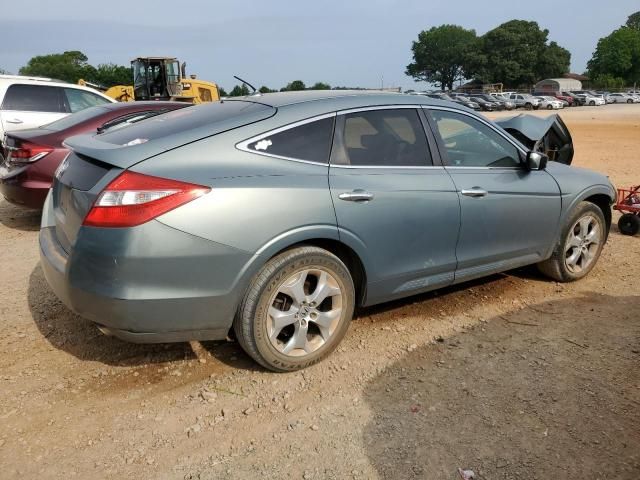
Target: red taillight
[[27, 152], [133, 198]]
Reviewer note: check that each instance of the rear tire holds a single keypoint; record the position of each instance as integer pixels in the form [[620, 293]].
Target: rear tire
[[579, 246], [593, 104], [629, 101], [549, 107], [629, 224], [296, 310]]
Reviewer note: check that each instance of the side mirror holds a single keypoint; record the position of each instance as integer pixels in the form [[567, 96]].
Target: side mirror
[[536, 161]]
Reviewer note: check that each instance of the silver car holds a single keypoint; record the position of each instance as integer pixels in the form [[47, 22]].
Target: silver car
[[275, 216]]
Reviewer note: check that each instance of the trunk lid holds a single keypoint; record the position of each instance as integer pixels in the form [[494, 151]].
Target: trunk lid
[[95, 160]]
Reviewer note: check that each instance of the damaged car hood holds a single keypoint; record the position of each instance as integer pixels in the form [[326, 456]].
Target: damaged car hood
[[548, 135]]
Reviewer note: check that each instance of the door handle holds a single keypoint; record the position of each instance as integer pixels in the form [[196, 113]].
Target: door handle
[[474, 192], [356, 196], [15, 120]]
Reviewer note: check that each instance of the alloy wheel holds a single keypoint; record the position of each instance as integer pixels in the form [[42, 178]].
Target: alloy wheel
[[583, 241], [304, 312]]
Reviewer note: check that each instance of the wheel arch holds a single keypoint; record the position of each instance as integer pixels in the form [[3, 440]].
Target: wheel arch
[[346, 254], [603, 202]]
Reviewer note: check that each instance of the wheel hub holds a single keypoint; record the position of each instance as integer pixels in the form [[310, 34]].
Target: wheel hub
[[304, 312], [582, 244]]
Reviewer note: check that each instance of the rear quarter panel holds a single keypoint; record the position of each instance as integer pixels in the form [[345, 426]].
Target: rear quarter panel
[[257, 203]]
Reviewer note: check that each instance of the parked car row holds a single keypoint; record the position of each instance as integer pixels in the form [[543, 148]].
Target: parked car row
[[550, 100]]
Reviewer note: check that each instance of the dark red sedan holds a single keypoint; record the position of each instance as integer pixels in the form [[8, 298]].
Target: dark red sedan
[[32, 156]]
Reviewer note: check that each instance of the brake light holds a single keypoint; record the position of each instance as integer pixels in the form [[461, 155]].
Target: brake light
[[133, 199], [27, 152]]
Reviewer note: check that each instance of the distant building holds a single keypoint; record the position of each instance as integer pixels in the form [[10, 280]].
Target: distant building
[[558, 85]]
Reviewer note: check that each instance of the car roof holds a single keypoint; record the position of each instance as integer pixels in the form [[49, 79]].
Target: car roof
[[7, 80], [337, 99]]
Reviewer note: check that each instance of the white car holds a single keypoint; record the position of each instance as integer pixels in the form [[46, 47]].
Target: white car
[[550, 103], [29, 102], [525, 100], [622, 98], [591, 100]]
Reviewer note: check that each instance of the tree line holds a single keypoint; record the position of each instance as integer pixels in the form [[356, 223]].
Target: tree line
[[517, 54], [296, 85]]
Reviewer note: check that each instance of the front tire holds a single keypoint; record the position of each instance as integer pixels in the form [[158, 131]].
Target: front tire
[[629, 224], [549, 107], [296, 310], [579, 246]]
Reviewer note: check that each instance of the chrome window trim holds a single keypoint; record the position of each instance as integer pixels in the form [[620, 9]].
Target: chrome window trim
[[244, 145], [389, 167]]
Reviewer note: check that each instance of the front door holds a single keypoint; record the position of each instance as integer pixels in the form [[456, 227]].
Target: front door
[[509, 216], [393, 204]]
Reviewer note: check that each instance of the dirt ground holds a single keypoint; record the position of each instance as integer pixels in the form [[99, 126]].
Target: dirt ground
[[513, 376]]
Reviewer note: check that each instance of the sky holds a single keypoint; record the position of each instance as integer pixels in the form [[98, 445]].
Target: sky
[[341, 42]]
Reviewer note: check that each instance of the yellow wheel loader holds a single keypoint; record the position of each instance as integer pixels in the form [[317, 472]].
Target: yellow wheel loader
[[161, 78]]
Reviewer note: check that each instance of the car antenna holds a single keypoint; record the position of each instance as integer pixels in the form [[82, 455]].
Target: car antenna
[[246, 83]]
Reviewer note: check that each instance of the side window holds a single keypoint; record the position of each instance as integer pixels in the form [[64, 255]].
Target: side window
[[79, 99], [390, 138], [310, 141], [33, 98], [470, 143], [204, 94]]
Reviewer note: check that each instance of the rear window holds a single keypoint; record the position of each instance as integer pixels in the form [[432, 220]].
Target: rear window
[[181, 120], [34, 98], [75, 119]]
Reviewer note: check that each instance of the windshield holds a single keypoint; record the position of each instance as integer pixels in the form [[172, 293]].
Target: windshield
[[75, 119]]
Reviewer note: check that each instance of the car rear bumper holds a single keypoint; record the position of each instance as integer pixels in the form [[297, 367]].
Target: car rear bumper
[[19, 189], [156, 284]]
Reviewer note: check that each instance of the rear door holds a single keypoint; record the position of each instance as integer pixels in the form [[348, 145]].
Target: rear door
[[29, 106], [394, 202], [509, 216]]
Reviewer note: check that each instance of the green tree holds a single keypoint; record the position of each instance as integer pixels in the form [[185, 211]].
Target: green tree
[[222, 92], [634, 21], [320, 86], [617, 55], [445, 54], [110, 74], [554, 61], [517, 54], [68, 66], [296, 85], [264, 89], [607, 82], [239, 91], [4, 72]]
